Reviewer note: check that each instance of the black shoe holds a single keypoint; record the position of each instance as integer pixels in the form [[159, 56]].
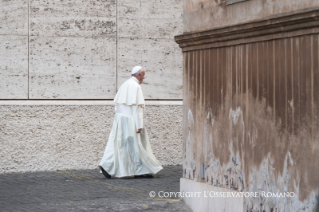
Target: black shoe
[[144, 176], [105, 173]]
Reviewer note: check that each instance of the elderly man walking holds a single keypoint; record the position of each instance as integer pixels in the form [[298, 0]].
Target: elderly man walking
[[128, 151]]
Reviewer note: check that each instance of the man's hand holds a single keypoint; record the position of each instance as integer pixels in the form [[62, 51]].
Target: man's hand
[[139, 130]]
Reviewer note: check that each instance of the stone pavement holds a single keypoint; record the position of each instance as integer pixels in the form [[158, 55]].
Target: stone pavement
[[88, 190]]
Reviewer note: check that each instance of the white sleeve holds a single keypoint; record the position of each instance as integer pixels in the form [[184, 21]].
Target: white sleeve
[[115, 109], [138, 116]]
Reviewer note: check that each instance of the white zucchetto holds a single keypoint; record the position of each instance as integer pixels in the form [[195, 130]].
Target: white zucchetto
[[136, 69]]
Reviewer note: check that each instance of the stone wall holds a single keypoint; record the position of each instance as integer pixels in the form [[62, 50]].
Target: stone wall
[[146, 36], [14, 49], [208, 14], [69, 136], [83, 50], [251, 104], [72, 49]]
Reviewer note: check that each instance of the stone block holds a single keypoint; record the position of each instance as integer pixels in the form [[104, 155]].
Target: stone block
[[13, 67], [202, 197], [13, 49], [163, 64], [59, 68], [72, 49], [14, 17], [146, 38]]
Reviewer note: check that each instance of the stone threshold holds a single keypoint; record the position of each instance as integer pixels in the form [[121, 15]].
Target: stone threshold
[[202, 197]]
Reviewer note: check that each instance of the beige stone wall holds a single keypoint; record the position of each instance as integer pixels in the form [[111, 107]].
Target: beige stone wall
[[72, 49], [85, 49], [14, 49], [51, 137], [146, 37], [208, 14]]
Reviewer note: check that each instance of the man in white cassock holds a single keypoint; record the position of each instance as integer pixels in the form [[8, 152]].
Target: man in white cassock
[[128, 151]]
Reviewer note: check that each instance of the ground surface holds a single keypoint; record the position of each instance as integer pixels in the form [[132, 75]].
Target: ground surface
[[88, 190]]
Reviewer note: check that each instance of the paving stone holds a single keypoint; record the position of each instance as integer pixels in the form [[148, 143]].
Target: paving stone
[[88, 190]]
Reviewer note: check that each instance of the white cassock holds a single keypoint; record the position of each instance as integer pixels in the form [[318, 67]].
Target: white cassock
[[128, 153]]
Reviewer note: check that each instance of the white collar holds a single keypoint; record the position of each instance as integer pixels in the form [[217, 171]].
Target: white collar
[[136, 80]]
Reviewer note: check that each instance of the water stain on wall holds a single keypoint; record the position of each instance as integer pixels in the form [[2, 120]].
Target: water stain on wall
[[253, 120]]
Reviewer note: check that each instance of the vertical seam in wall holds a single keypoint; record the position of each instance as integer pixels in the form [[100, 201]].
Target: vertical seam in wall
[[116, 51], [28, 49]]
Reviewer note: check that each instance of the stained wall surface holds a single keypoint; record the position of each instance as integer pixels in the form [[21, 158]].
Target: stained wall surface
[[251, 117], [251, 107], [206, 14]]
